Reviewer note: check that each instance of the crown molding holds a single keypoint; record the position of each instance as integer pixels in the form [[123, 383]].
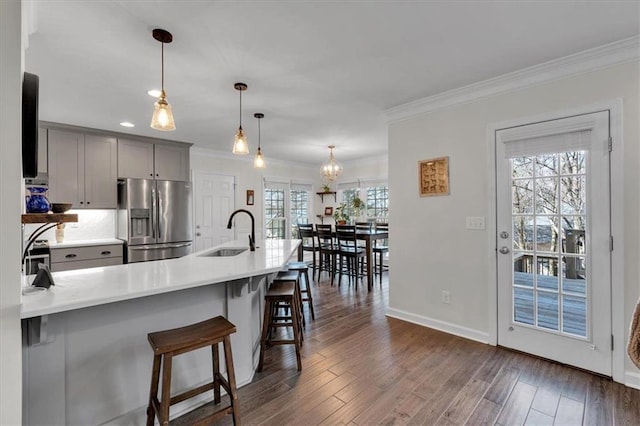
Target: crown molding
[[616, 53]]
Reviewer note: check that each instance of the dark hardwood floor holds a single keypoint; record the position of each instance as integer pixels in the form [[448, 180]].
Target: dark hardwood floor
[[362, 368]]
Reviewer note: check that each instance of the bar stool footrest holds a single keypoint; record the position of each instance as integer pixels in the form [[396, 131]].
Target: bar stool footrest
[[201, 416]]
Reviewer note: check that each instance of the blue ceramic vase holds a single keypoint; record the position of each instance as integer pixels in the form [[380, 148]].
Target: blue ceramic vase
[[37, 200]]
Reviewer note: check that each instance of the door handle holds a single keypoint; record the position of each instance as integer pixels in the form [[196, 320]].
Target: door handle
[[106, 252], [198, 234], [504, 250], [71, 256], [504, 235]]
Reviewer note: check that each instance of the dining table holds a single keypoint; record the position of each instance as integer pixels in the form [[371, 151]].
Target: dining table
[[368, 237]]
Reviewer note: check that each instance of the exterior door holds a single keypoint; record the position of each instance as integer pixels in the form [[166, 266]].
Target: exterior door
[[214, 197], [553, 242]]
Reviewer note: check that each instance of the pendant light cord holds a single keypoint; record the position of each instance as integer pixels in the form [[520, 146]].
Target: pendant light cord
[[240, 108], [259, 132], [162, 67]]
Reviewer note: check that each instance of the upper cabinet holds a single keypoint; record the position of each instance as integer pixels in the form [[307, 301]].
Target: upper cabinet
[[146, 160], [82, 169]]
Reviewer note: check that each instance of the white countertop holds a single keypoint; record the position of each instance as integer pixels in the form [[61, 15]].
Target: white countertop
[[85, 243], [97, 286]]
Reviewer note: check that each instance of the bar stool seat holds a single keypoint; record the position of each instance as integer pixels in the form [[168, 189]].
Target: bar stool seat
[[169, 343]]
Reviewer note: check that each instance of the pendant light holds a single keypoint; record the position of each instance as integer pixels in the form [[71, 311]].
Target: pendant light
[[162, 116], [332, 169], [240, 145], [258, 161]]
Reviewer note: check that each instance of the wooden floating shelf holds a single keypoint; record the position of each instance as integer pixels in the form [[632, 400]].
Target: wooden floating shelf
[[49, 218], [322, 194]]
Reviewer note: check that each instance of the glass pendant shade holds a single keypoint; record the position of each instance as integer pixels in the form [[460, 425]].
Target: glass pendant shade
[[332, 169], [162, 116], [240, 145], [258, 161]]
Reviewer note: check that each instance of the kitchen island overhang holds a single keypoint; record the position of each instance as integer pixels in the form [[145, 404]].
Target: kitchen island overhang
[[87, 360]]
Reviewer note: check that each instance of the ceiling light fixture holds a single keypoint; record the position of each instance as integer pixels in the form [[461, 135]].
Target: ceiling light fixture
[[258, 161], [162, 116], [240, 145], [332, 169]]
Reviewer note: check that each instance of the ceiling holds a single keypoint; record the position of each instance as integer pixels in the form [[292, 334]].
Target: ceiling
[[322, 72]]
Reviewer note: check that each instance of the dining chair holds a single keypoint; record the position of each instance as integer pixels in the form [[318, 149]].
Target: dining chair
[[380, 249], [363, 227], [350, 256], [305, 233], [327, 250]]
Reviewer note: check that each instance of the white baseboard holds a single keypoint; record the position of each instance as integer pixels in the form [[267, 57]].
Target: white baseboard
[[447, 327], [632, 379]]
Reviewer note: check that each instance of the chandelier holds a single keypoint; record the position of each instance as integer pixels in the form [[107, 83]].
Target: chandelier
[[331, 169]]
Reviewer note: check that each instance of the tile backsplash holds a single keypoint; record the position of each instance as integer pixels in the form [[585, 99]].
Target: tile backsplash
[[91, 225]]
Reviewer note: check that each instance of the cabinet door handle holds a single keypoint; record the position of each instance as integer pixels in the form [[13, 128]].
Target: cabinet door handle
[[71, 256], [151, 174], [106, 252], [80, 202], [88, 202]]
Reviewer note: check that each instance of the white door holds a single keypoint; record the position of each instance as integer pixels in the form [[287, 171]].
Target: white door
[[214, 199], [553, 242]]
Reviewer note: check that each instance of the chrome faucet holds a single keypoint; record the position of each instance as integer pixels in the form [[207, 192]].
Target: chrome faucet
[[252, 237]]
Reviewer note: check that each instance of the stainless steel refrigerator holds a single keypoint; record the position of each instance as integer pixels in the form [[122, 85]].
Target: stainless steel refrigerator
[[154, 218]]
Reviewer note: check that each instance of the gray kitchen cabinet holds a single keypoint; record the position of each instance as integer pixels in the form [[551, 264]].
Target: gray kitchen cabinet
[[146, 160], [66, 259], [82, 169]]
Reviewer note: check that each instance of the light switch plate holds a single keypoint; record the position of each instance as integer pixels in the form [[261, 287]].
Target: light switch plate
[[475, 222]]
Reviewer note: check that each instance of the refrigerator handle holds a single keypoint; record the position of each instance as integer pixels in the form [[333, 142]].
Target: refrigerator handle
[[158, 217], [153, 213]]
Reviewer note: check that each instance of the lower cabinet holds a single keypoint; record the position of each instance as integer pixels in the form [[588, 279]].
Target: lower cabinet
[[68, 258]]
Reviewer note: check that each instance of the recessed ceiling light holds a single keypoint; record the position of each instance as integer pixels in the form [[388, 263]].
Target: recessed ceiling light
[[154, 93], [127, 124]]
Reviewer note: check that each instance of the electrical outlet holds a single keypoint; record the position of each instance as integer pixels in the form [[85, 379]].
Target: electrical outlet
[[446, 297], [476, 222]]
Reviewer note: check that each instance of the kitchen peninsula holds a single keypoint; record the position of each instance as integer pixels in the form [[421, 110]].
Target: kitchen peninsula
[[85, 350]]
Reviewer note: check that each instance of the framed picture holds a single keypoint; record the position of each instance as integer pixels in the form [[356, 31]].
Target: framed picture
[[328, 211], [249, 197], [433, 177]]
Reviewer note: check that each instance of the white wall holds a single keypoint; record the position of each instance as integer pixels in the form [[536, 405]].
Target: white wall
[[431, 249], [10, 209]]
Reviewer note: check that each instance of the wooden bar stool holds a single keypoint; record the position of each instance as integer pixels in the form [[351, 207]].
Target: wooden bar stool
[[294, 277], [280, 292], [169, 343], [305, 292]]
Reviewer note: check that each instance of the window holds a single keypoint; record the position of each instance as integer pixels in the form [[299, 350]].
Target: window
[[375, 197], [299, 209], [378, 203], [274, 213], [347, 197], [286, 204]]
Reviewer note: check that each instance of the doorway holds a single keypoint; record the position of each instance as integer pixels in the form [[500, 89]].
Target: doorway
[[214, 201], [553, 240]]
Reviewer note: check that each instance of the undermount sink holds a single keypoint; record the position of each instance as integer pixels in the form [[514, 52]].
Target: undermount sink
[[224, 252]]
